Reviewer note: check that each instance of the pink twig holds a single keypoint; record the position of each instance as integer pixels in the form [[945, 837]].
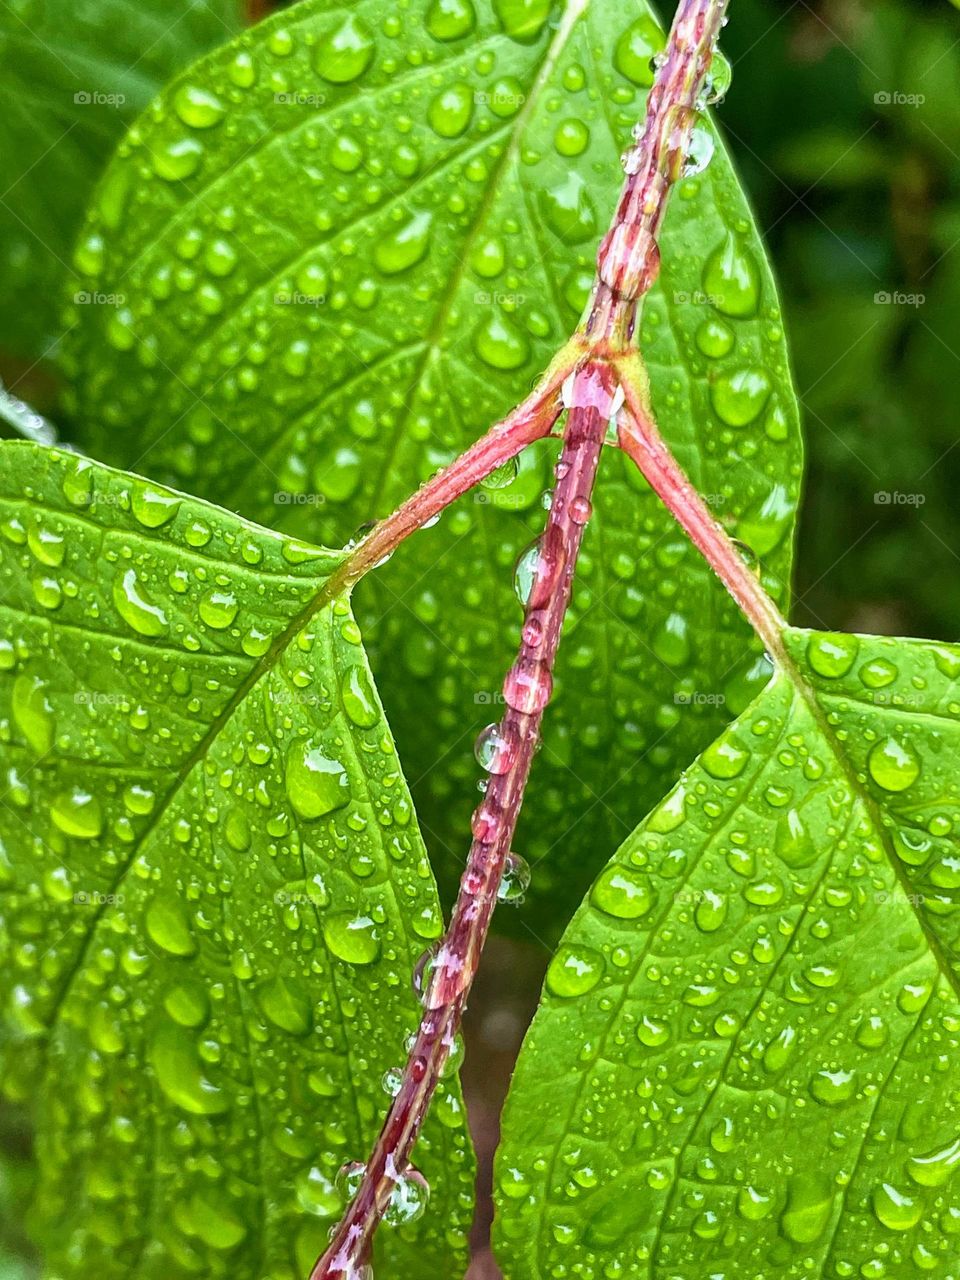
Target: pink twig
[[591, 403], [640, 438], [629, 258]]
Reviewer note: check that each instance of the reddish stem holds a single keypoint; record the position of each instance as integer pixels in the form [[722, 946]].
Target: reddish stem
[[591, 403], [640, 438], [628, 261], [530, 421]]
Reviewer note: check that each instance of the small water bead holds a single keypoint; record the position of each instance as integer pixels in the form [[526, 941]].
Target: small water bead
[[352, 938], [523, 19], [502, 476], [403, 248], [451, 111], [622, 893], [408, 1199], [316, 783], [832, 654], [935, 1168], [450, 19], [574, 971], [731, 278], [718, 81], [571, 137], [197, 107], [738, 397], [500, 343], [345, 53], [580, 510], [494, 751], [515, 880], [635, 50], [392, 1081], [528, 686], [897, 1211], [77, 813], [893, 765]]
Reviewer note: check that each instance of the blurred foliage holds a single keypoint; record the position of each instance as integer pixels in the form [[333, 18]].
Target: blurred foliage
[[845, 120]]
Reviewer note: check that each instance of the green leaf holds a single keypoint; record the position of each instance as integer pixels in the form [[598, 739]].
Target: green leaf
[[73, 74], [214, 890], [419, 230], [746, 1060]]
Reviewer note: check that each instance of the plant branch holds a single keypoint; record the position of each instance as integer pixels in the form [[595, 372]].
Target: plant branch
[[627, 265], [534, 418], [591, 401], [640, 438], [628, 260]]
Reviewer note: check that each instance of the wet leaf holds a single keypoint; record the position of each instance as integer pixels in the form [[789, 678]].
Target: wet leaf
[[73, 75], [745, 1061], [348, 242], [212, 886]]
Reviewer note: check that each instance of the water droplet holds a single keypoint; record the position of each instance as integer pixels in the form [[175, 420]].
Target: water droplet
[[197, 107], [528, 686], [571, 137], [179, 1074], [175, 161], [671, 641], [738, 398], [710, 911], [286, 1005], [344, 54], [135, 608], [494, 751], [450, 19], [622, 893], [218, 608], [832, 654], [718, 81], [731, 278], [168, 925], [574, 972], [515, 881], [152, 506], [359, 700], [568, 209], [401, 249], [32, 712], [634, 51], [936, 1167], [500, 343], [892, 765], [523, 19], [724, 759], [764, 526], [77, 813], [316, 1194], [352, 938], [808, 1208], [896, 1211], [451, 111], [316, 783], [833, 1088]]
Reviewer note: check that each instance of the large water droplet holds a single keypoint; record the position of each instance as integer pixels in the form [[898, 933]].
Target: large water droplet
[[352, 938], [135, 607], [893, 765], [317, 784], [401, 249], [574, 971], [344, 54], [622, 893], [731, 278]]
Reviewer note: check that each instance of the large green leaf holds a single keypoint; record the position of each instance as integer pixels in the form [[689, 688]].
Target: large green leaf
[[73, 74], [746, 1062], [375, 239], [214, 890]]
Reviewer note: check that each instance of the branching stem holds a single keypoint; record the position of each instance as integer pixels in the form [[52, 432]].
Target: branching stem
[[583, 381]]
